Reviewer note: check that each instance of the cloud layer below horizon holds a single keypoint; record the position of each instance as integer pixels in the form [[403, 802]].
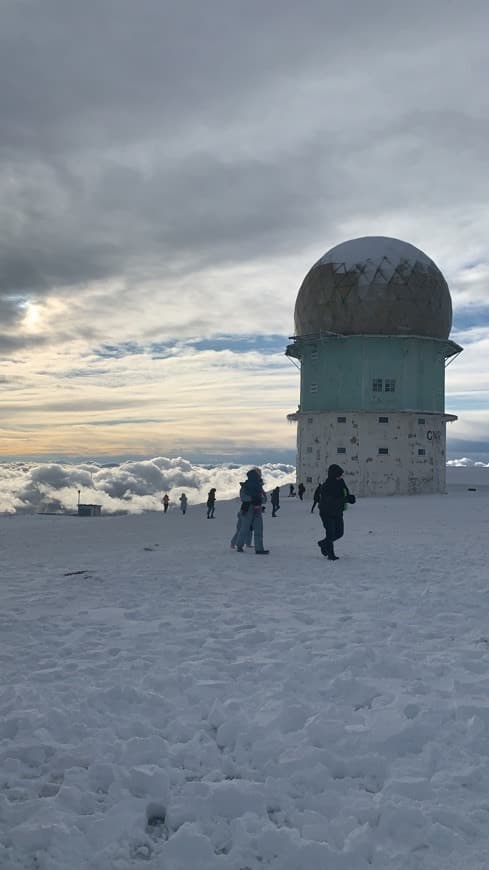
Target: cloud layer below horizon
[[130, 487], [170, 172], [137, 486]]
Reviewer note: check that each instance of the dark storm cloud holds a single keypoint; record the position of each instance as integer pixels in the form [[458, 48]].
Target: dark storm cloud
[[86, 72], [145, 139]]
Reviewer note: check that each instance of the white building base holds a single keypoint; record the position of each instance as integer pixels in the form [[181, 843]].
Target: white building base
[[382, 453]]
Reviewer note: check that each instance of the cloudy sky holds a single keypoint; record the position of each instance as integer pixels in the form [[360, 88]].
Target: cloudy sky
[[170, 171]]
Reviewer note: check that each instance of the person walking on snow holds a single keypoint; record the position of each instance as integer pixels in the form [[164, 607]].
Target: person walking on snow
[[183, 503], [253, 498], [211, 503], [275, 500], [316, 497], [334, 497], [301, 490], [166, 502], [291, 490], [240, 517]]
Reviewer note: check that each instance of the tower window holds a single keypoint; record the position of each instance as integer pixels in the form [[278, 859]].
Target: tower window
[[421, 420], [314, 355], [383, 419], [308, 479], [341, 449], [421, 451], [309, 449], [309, 419], [377, 385], [390, 385], [314, 388], [383, 451], [341, 419]]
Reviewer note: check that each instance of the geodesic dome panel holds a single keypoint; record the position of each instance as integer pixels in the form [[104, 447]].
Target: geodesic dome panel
[[374, 286]]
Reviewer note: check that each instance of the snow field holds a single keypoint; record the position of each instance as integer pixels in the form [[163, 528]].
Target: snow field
[[183, 707]]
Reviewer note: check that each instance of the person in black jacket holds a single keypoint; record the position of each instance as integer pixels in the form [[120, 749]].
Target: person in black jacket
[[334, 497], [301, 490], [275, 500], [211, 503]]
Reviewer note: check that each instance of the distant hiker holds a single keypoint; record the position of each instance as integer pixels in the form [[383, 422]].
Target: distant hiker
[[275, 500], [301, 490], [316, 497], [252, 500], [211, 503], [291, 491], [183, 503], [166, 502], [240, 517], [334, 498]]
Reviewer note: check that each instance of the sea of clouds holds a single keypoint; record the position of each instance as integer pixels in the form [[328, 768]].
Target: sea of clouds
[[133, 486], [130, 487]]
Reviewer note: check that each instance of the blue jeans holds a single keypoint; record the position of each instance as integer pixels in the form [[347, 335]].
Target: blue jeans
[[253, 517]]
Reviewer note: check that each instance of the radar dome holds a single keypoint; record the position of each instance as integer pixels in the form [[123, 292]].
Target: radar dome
[[374, 286]]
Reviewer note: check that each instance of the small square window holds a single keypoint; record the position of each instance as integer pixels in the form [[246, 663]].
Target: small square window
[[421, 420], [309, 449], [383, 419], [390, 385], [308, 479], [383, 451], [309, 419], [314, 388], [421, 451], [341, 419], [341, 449], [377, 385]]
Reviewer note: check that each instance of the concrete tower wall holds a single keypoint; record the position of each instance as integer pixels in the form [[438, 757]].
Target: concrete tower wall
[[387, 453]]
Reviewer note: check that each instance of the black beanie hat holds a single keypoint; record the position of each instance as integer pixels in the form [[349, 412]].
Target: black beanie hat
[[335, 471]]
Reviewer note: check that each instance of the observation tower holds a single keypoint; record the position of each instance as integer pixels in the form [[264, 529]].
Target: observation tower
[[372, 325]]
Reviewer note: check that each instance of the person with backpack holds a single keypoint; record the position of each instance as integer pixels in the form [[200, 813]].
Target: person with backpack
[[334, 497], [253, 498], [240, 518], [211, 503], [301, 490], [166, 502]]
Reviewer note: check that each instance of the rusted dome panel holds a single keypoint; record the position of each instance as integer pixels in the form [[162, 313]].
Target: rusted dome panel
[[374, 286]]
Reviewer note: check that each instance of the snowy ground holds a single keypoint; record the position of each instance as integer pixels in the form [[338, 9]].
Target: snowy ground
[[180, 706]]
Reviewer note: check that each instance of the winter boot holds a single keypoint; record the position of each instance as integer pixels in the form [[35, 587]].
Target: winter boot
[[327, 549], [262, 552]]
